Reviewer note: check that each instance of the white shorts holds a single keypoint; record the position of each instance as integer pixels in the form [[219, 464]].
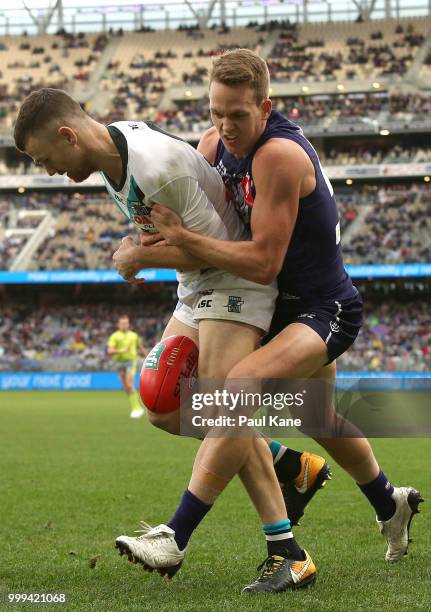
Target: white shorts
[[227, 298]]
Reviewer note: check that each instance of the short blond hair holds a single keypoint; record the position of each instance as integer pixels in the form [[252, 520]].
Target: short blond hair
[[242, 67]]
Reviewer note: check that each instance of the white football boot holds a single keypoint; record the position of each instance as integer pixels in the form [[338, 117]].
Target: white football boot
[[396, 529], [137, 413], [156, 549]]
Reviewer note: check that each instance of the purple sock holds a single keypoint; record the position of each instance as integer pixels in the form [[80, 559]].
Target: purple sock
[[379, 494], [187, 517]]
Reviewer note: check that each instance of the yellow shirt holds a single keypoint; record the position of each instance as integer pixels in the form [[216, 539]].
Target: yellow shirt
[[124, 340]]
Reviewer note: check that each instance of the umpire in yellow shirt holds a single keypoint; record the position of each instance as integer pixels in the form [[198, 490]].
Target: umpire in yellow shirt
[[124, 346]]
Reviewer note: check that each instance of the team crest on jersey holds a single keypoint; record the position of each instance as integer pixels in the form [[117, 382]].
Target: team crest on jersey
[[247, 189], [139, 213], [234, 303]]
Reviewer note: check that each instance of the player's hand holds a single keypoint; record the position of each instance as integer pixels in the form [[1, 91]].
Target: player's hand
[[151, 239], [126, 261], [168, 223]]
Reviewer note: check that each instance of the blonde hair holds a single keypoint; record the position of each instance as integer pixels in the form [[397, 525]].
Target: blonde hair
[[242, 67]]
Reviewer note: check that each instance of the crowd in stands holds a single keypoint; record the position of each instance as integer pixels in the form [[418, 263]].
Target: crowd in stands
[[193, 115], [72, 337], [374, 154], [10, 248], [138, 86], [396, 228], [346, 108], [293, 58], [395, 336], [32, 66], [85, 233]]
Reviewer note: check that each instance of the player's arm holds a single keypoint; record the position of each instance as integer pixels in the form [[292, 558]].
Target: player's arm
[[112, 349], [141, 256], [274, 215]]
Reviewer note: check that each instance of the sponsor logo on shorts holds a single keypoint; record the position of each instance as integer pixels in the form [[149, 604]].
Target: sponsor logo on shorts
[[234, 303], [306, 315], [205, 304], [334, 327], [152, 360]]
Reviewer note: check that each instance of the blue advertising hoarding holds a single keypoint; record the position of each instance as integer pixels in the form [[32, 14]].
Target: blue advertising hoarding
[[110, 381], [153, 275]]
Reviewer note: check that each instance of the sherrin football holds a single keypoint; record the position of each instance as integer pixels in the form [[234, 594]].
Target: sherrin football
[[171, 361]]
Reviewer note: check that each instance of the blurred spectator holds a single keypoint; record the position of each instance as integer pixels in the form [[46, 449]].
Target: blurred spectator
[[73, 338], [395, 336]]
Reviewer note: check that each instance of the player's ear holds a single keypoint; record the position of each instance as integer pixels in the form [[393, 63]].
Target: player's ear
[[266, 108], [68, 134]]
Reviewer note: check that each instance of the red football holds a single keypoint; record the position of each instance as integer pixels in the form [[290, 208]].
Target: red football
[[173, 359]]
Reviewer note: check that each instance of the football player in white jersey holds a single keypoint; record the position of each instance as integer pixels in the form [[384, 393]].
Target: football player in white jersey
[[142, 166]]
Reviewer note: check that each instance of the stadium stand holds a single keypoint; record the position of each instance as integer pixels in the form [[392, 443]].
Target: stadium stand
[[393, 225], [342, 82], [346, 51], [72, 338], [394, 337], [397, 228], [28, 63]]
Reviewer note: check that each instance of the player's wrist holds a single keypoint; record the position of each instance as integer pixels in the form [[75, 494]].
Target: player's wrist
[[142, 256], [178, 236]]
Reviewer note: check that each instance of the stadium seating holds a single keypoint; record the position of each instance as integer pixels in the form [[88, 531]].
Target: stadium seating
[[72, 338], [144, 65], [87, 228], [28, 63], [394, 336], [397, 228], [342, 51]]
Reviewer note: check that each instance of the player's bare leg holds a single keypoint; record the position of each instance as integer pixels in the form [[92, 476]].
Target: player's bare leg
[[221, 457], [296, 353], [217, 461], [126, 378], [317, 468]]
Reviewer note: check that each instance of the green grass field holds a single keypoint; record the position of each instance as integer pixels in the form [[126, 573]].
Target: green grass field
[[76, 472]]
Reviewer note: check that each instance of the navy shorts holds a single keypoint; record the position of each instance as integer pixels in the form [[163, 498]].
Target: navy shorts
[[337, 321]]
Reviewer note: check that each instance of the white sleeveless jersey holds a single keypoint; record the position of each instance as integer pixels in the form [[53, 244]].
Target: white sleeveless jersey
[[159, 168]]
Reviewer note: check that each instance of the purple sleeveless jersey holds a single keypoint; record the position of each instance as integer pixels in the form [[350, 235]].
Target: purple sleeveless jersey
[[313, 270]]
